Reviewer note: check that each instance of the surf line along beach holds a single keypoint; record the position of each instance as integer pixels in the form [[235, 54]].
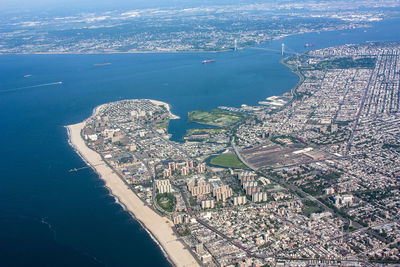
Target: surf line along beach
[[160, 227]]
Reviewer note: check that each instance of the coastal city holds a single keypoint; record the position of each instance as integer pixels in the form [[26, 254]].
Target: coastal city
[[307, 178], [200, 133]]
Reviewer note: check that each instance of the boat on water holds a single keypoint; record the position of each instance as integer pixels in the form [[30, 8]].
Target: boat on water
[[309, 45], [208, 61], [102, 64]]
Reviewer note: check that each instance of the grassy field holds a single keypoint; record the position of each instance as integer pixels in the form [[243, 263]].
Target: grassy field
[[228, 160], [342, 63], [215, 117], [347, 63], [310, 207], [166, 201], [163, 125], [205, 130]]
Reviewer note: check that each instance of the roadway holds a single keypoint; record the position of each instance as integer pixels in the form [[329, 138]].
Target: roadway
[[213, 229], [300, 193]]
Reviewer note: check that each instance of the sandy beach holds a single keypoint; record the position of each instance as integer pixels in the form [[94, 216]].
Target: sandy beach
[[160, 227], [167, 106]]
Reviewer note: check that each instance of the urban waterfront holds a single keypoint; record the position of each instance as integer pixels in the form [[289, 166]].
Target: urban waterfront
[[45, 207]]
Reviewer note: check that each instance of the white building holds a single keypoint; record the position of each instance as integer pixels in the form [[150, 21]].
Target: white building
[[163, 186]]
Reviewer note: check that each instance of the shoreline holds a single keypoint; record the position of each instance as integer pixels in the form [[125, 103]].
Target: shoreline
[[122, 52], [159, 228], [167, 106], [274, 38]]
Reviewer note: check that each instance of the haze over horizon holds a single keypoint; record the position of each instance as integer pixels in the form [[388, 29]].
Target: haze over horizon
[[15, 6]]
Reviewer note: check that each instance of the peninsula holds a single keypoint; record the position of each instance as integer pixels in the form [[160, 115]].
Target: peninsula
[[159, 227], [310, 177]]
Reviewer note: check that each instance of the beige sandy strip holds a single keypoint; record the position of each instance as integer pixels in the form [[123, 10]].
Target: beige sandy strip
[[160, 227], [167, 106]]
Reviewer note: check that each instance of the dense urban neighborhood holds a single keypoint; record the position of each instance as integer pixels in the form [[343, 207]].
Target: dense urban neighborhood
[[310, 177]]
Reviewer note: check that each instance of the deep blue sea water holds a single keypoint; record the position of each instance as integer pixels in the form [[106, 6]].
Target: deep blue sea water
[[50, 217]]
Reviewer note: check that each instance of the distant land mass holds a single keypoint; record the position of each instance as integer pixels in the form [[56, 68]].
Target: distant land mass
[[177, 29]]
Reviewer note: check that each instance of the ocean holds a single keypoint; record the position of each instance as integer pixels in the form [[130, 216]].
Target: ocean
[[50, 217]]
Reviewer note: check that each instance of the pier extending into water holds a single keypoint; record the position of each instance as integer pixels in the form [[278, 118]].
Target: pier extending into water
[[82, 168]]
